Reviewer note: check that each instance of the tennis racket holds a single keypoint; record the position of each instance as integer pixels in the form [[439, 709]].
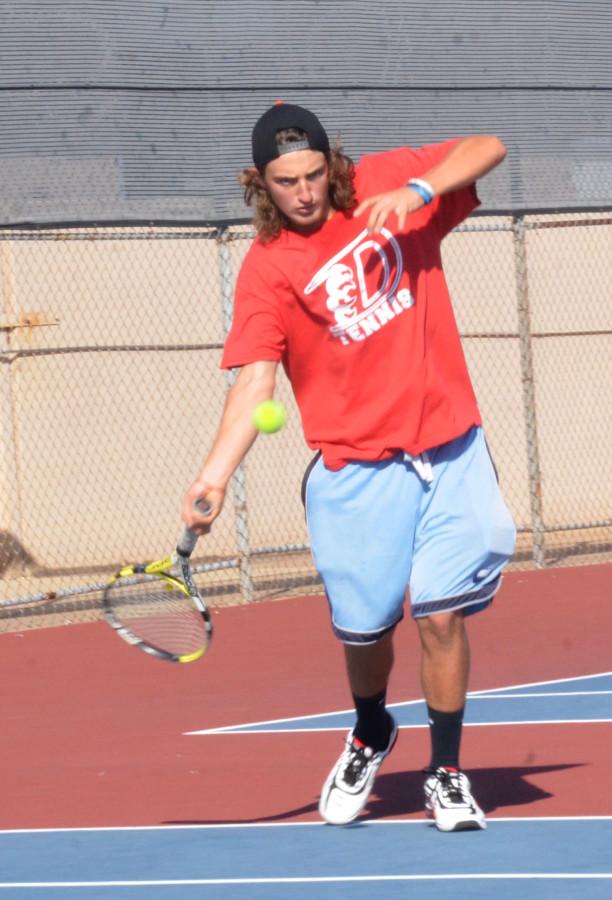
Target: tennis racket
[[157, 607]]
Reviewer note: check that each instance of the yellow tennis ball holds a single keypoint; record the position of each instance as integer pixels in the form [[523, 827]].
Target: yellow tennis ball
[[269, 416]]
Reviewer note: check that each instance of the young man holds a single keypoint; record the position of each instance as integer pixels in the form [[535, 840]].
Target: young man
[[344, 287]]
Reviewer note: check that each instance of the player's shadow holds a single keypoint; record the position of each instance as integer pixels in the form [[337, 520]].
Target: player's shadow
[[401, 793]]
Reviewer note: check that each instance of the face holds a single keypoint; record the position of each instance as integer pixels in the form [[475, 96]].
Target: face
[[298, 184]]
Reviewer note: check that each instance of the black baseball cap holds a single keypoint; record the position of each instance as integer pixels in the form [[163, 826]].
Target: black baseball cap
[[286, 115]]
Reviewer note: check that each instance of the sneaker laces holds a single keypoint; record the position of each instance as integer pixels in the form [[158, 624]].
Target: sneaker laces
[[451, 783], [358, 757]]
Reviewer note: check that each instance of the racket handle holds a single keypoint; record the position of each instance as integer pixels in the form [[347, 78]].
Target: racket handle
[[187, 542], [189, 537]]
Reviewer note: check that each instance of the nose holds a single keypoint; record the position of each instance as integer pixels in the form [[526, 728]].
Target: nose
[[304, 192]]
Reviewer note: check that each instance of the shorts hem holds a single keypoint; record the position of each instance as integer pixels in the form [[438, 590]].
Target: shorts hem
[[471, 602], [359, 638]]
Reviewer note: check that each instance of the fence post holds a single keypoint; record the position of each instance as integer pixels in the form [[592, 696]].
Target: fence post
[[241, 519], [10, 482], [528, 386]]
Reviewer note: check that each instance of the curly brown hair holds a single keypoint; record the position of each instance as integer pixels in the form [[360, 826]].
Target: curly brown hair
[[267, 218]]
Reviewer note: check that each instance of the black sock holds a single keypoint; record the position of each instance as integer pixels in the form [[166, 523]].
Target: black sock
[[373, 725], [445, 733]]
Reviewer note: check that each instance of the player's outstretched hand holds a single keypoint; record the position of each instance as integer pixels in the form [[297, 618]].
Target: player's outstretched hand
[[400, 202]]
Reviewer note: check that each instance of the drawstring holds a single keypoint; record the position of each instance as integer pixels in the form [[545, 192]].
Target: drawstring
[[421, 465]]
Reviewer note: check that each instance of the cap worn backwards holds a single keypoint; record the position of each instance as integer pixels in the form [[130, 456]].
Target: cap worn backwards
[[286, 115]]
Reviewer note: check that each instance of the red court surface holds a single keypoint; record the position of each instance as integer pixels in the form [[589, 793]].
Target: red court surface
[[94, 730]]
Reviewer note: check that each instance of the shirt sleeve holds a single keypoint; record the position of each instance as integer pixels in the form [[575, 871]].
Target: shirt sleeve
[[452, 208], [446, 211], [258, 332]]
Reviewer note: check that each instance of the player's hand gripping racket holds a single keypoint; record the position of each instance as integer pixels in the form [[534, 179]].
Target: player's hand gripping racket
[[157, 607]]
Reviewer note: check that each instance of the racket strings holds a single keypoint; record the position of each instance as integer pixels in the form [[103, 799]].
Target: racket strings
[[159, 614]]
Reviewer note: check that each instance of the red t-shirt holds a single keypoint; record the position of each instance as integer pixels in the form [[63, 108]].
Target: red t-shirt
[[363, 323]]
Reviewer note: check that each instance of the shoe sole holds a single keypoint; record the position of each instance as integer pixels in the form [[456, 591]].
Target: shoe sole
[[476, 824]]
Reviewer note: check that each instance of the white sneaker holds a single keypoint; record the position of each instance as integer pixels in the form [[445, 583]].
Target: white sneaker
[[348, 786], [448, 800]]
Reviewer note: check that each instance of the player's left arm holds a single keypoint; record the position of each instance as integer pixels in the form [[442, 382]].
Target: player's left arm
[[467, 161]]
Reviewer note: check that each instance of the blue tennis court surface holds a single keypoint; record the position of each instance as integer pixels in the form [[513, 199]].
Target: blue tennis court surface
[[584, 699], [514, 858]]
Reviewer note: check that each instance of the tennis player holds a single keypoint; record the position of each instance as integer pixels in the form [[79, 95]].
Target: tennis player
[[344, 286]]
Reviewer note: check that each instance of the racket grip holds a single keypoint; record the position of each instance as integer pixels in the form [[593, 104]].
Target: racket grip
[[189, 537], [187, 542]]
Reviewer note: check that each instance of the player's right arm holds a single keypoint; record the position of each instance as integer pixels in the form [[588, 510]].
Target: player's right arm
[[235, 436]]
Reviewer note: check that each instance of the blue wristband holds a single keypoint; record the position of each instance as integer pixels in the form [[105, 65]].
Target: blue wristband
[[421, 191]]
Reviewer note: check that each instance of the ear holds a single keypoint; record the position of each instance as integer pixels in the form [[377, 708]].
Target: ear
[[251, 178], [258, 177]]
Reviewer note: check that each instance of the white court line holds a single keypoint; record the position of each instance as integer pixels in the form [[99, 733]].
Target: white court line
[[229, 729], [326, 715], [340, 879], [539, 694], [537, 683], [342, 728], [374, 823]]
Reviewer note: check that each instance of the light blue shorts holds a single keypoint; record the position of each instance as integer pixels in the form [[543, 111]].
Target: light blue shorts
[[437, 525]]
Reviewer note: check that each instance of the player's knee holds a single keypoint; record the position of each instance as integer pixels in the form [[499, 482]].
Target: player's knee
[[441, 631]]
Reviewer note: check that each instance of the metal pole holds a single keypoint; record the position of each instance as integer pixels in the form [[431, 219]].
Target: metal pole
[[10, 482], [241, 520], [528, 385]]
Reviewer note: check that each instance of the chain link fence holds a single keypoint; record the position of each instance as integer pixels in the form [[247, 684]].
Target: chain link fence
[[111, 392]]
